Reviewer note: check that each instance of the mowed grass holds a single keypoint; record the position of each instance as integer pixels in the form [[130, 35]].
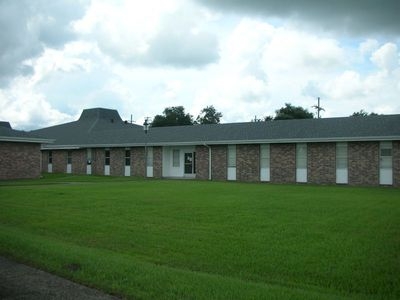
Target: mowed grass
[[166, 239]]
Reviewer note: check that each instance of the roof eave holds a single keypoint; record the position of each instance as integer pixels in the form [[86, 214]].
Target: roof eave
[[225, 142], [26, 140]]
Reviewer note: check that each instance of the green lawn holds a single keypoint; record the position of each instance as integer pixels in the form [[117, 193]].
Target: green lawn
[[165, 239]]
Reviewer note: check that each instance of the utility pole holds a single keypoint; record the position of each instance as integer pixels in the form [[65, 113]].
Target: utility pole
[[318, 108]]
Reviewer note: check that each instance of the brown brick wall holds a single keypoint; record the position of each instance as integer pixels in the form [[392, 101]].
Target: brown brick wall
[[248, 162], [202, 159], [98, 156], [219, 162], [157, 162], [283, 163], [396, 163], [138, 163], [45, 158], [19, 160], [363, 163], [59, 161], [79, 161], [117, 161], [321, 163]]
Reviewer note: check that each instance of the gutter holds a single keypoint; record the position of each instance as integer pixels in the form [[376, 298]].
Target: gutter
[[26, 139], [209, 160]]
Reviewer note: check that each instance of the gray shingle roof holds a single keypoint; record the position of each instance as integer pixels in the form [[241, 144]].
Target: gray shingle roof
[[104, 128], [11, 135]]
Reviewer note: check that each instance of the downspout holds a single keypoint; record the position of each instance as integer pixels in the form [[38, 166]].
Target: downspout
[[209, 161]]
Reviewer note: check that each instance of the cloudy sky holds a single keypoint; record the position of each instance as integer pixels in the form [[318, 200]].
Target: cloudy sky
[[247, 58]]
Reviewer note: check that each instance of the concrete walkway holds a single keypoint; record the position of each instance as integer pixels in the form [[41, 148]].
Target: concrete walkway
[[19, 281]]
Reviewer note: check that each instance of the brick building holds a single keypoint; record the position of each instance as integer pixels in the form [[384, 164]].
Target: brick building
[[20, 154], [350, 150]]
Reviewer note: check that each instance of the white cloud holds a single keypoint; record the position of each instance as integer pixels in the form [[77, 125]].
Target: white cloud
[[27, 109], [263, 66], [28, 27], [140, 57], [386, 57], [368, 46], [151, 33]]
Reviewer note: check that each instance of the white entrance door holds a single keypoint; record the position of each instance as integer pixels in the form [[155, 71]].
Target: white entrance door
[[385, 170], [149, 161]]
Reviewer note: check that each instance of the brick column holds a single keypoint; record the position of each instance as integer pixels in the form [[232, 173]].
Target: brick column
[[59, 161], [117, 161], [363, 163], [321, 163], [219, 162], [138, 162], [283, 163], [98, 157], [248, 162], [79, 161], [202, 159]]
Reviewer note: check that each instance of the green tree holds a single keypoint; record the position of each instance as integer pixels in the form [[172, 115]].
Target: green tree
[[362, 113], [209, 115], [172, 116], [289, 112]]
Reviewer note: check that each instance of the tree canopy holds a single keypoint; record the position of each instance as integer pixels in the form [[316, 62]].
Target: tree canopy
[[209, 115], [289, 112], [363, 113], [172, 116]]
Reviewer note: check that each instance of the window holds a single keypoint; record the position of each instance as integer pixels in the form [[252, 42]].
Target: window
[[264, 156], [176, 158], [232, 156], [149, 159], [264, 162], [301, 156], [386, 163], [341, 163], [301, 162], [50, 159], [341, 156], [127, 157], [107, 158], [386, 155], [386, 151], [89, 156], [69, 157], [231, 162]]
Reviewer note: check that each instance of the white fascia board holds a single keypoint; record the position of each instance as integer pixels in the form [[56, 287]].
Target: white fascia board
[[61, 147], [309, 140], [25, 140], [226, 142]]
